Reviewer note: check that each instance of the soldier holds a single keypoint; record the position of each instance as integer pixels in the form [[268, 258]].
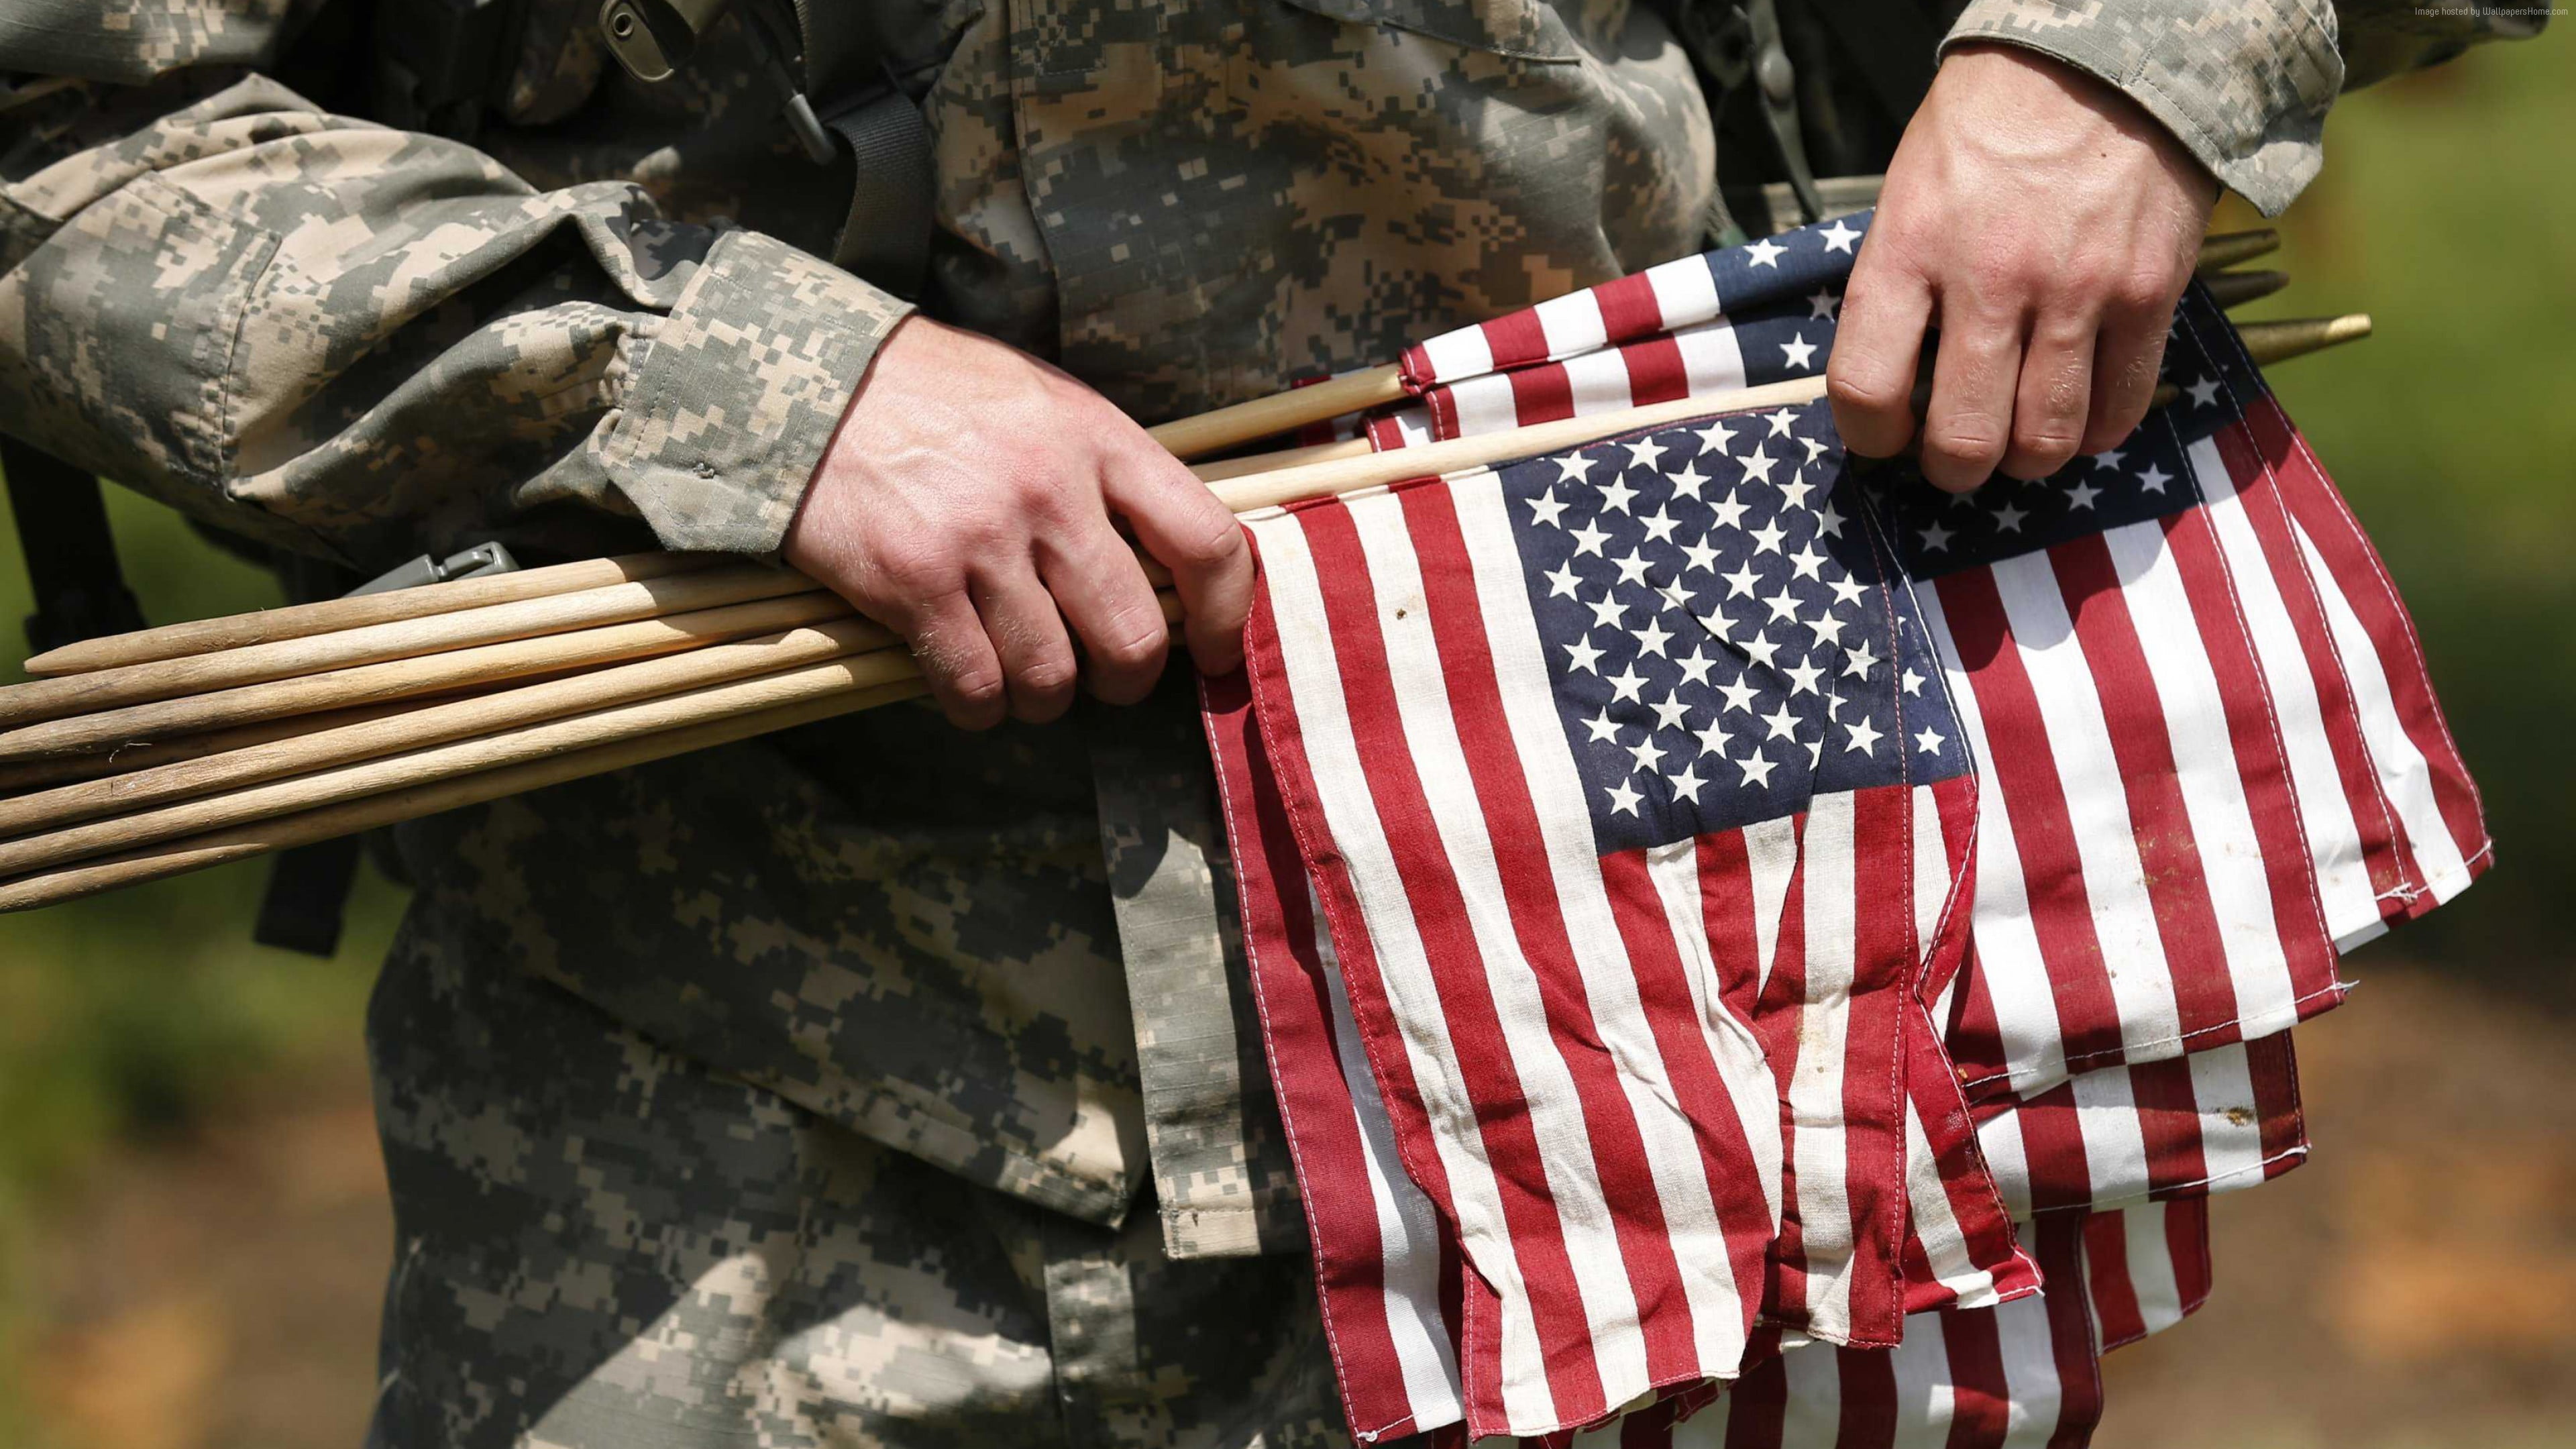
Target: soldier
[[805, 1091]]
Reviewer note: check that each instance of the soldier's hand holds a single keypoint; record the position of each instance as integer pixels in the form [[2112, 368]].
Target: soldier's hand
[[969, 502], [2046, 224]]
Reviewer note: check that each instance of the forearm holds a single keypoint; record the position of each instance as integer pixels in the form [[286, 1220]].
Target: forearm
[[358, 342]]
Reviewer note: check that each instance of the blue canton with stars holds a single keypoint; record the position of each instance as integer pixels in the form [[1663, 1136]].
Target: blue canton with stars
[[1720, 626]]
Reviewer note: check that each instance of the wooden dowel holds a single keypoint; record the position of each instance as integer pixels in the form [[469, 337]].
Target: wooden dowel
[[1251, 463], [1228, 427], [2228, 248], [70, 694], [2235, 289], [423, 726], [18, 777], [423, 674], [296, 621], [2271, 342], [393, 807]]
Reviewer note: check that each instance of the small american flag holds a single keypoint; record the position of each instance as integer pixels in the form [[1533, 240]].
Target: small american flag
[[1702, 892]]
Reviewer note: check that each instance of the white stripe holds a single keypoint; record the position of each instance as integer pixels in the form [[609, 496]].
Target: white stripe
[[1485, 405], [2033, 1397], [2208, 774], [1771, 859], [1712, 359], [2151, 1267], [1323, 719], [1547, 1084], [2404, 776], [1812, 1415], [1945, 1246], [1413, 426], [2007, 944], [1741, 1064], [1610, 984], [1463, 353], [1408, 1231], [2097, 806], [1931, 872], [1598, 382], [2115, 1143], [1925, 1395], [1999, 1138], [1685, 292], [2231, 1121], [1816, 1108], [1572, 323], [2334, 842]]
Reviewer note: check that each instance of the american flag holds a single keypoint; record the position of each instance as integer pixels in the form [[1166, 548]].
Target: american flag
[[1606, 825]]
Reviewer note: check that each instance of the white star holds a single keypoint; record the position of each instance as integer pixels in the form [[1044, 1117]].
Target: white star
[[1739, 695], [1652, 639], [1781, 422], [1757, 770], [1669, 712], [1700, 556], [1586, 658], [1686, 483], [1588, 539], [1782, 724], [1546, 510], [1730, 510], [1686, 785], [1847, 590], [1715, 438], [1768, 538], [1765, 253], [1659, 528], [1648, 753], [1912, 682], [1605, 730], [1839, 238], [1607, 611], [1574, 468], [1806, 561], [2204, 392], [1803, 677], [2082, 496], [2107, 458], [1815, 449], [1801, 352], [1675, 596], [1815, 751], [1862, 737], [1784, 607], [1763, 650], [1934, 536], [1929, 742], [1625, 685], [1793, 494], [1713, 738], [1861, 661], [1739, 584], [1632, 567], [2154, 479], [1717, 625], [1695, 668], [1829, 522], [1623, 801], [1561, 581], [1823, 305], [2008, 518], [1758, 465], [1615, 495], [1643, 452], [1829, 630]]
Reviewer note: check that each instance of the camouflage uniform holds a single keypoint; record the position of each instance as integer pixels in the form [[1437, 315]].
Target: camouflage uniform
[[775, 1095]]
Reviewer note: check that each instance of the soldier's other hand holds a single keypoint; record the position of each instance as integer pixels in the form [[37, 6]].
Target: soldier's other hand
[[970, 502], [2046, 224]]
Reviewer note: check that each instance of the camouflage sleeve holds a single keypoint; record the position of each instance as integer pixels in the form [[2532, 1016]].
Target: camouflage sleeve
[[362, 342], [2244, 83]]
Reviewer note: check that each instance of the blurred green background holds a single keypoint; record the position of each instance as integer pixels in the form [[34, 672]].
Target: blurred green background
[[192, 1230]]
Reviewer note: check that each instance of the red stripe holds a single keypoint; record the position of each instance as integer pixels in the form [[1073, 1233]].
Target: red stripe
[[1867, 1378], [2025, 770], [2391, 869], [2070, 1331], [2273, 1067], [1655, 371], [1980, 1397], [1873, 1054], [1540, 394], [1954, 803], [1757, 1407], [2262, 763], [1457, 969], [1516, 339], [1726, 909], [2115, 1296], [1967, 1185], [2196, 961], [1776, 1026], [2052, 1149], [1538, 922], [2363, 581], [1629, 308], [2187, 1244], [2168, 1112]]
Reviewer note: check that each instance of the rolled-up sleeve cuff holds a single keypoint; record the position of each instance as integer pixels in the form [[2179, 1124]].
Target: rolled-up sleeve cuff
[[2244, 84], [735, 395]]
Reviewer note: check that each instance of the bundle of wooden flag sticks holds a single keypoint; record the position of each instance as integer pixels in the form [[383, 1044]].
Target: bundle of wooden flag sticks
[[165, 750]]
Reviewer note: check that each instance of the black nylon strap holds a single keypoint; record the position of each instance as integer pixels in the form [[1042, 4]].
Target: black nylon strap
[[886, 235], [80, 592]]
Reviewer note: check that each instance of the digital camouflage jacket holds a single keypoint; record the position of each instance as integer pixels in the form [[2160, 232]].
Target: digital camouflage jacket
[[688, 1067]]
